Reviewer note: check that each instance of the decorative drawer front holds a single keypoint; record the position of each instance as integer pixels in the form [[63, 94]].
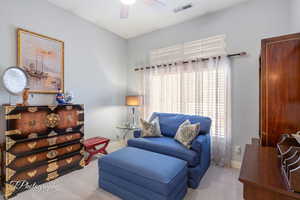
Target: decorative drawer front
[[71, 117], [27, 161], [30, 122], [18, 148], [24, 121], [12, 175], [10, 190]]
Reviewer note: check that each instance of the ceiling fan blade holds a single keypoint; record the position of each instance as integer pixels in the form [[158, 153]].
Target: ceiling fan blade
[[124, 11], [155, 2]]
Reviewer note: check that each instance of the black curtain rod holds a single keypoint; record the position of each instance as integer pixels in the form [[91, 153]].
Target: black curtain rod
[[185, 62]]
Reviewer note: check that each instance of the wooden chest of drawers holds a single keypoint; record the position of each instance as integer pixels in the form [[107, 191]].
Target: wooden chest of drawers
[[39, 144]]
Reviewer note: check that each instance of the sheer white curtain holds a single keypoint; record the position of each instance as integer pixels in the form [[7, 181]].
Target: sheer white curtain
[[199, 88]]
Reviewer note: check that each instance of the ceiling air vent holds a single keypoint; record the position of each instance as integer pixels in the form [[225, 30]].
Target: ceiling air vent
[[181, 8]]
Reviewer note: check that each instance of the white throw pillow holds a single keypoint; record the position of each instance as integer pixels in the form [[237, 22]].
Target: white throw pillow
[[187, 132]]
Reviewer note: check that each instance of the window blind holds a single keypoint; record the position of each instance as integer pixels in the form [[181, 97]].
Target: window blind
[[204, 48]]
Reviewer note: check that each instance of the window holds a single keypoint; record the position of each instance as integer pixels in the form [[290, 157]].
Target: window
[[205, 48], [195, 88]]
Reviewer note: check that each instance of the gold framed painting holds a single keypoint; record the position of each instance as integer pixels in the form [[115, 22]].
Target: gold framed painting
[[42, 57]]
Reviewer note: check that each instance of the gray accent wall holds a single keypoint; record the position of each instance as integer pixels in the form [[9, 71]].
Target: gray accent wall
[[244, 25], [95, 60]]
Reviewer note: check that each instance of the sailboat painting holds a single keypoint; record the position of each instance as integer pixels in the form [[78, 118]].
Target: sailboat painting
[[42, 58]]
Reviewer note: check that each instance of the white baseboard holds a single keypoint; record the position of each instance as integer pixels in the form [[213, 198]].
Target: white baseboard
[[236, 164]]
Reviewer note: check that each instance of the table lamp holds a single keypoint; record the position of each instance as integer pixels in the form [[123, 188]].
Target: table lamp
[[133, 102]]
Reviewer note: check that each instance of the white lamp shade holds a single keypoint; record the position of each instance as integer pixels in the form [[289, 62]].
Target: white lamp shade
[[133, 100]]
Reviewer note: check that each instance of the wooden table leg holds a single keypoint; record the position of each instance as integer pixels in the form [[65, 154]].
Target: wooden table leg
[[93, 151], [88, 160], [103, 149]]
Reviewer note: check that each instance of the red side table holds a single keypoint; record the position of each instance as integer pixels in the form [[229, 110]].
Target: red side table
[[91, 144]]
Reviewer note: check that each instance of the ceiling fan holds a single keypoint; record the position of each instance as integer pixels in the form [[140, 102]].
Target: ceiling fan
[[127, 3]]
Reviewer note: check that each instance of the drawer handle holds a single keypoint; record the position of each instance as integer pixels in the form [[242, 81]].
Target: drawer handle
[[69, 160], [52, 154], [32, 174], [52, 141], [31, 145], [69, 149], [31, 159], [69, 137]]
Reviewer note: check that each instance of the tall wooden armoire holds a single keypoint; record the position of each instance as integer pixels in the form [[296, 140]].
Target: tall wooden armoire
[[279, 88]]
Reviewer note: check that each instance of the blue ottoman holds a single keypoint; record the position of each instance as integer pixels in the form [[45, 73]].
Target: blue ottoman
[[136, 174]]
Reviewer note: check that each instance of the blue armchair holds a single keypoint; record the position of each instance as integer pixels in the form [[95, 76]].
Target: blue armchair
[[197, 157]]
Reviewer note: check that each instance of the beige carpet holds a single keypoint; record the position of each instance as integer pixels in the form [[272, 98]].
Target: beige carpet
[[218, 184]]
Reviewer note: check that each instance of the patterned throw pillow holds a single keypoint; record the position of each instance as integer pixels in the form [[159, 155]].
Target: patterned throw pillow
[[150, 129], [155, 122], [187, 132]]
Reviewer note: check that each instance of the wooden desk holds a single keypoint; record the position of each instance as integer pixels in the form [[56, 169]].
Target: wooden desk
[[261, 175]]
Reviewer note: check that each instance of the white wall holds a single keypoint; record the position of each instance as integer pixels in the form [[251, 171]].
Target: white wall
[[295, 15], [95, 60], [245, 25]]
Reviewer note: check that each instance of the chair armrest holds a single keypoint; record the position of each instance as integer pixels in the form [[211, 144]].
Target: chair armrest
[[137, 133], [201, 145], [201, 141]]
